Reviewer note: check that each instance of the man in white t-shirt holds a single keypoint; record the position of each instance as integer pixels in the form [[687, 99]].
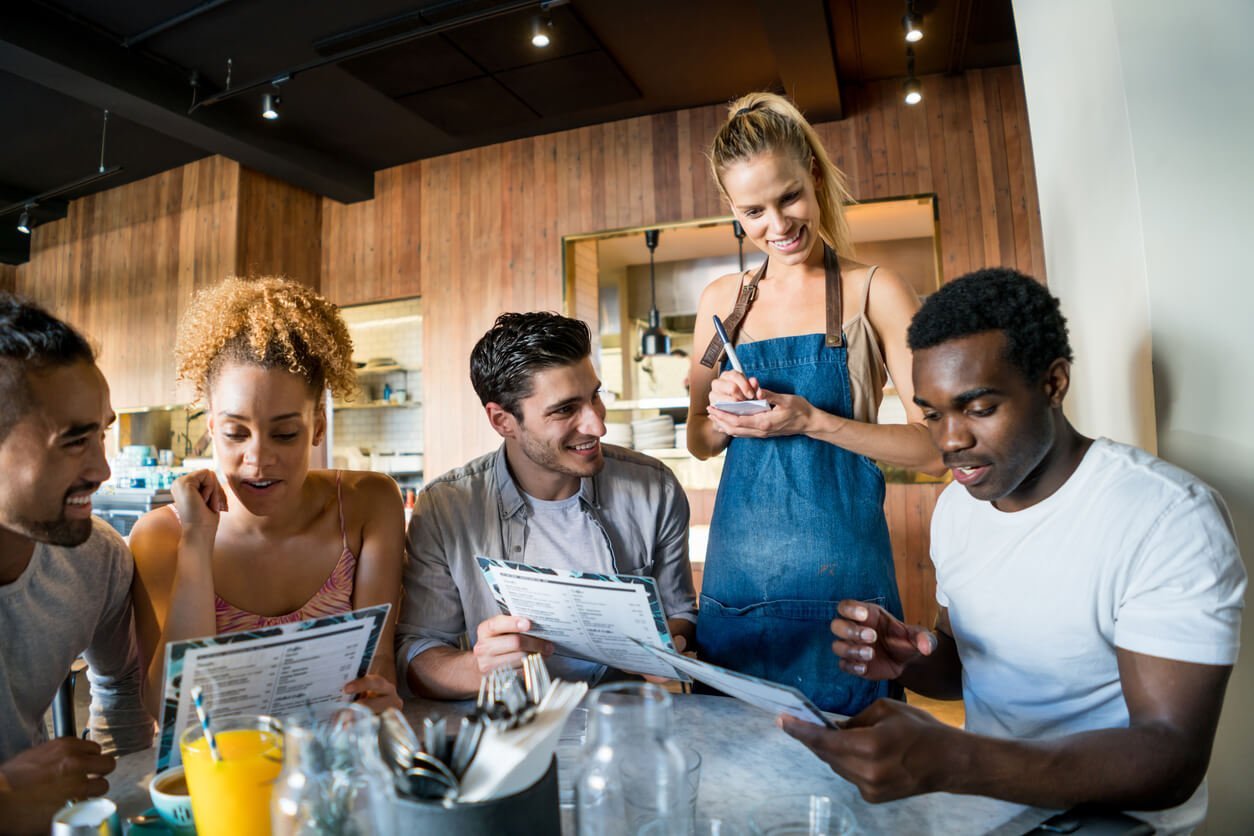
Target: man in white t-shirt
[[1090, 593]]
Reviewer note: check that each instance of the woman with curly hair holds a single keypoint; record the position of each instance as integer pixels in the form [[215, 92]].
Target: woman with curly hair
[[265, 540], [799, 519]]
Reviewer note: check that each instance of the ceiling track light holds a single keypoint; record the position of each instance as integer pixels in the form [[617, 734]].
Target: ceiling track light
[[912, 23], [27, 204], [912, 90], [270, 106], [654, 340], [541, 31]]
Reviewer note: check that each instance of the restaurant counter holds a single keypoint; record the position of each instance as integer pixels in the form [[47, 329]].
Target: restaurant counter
[[745, 761]]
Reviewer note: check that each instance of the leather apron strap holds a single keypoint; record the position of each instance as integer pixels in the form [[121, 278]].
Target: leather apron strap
[[749, 291], [834, 304]]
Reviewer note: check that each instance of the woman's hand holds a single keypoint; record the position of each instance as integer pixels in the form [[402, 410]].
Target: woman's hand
[[374, 692], [200, 500], [788, 415], [731, 385]]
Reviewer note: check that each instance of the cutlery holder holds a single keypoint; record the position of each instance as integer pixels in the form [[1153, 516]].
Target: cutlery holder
[[533, 811]]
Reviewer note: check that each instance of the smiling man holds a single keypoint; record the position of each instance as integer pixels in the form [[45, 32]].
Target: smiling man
[[65, 578], [552, 495], [1090, 593]]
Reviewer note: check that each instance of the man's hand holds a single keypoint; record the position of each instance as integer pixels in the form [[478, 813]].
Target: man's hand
[[47, 776], [501, 642], [874, 644], [889, 751]]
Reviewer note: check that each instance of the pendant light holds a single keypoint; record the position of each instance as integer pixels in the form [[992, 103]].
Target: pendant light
[[654, 340], [739, 232]]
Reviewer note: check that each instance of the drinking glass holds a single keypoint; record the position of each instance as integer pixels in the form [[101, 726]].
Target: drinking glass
[[231, 796], [802, 815]]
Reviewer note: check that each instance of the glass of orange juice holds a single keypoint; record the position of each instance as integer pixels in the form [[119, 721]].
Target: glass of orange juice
[[231, 796]]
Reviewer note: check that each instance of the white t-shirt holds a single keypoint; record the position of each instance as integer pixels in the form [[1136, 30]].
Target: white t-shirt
[[1131, 552]]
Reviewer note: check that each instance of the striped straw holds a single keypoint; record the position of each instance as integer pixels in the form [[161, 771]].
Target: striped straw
[[198, 699]]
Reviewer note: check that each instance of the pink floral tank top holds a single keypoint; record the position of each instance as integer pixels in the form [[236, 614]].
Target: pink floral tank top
[[334, 596]]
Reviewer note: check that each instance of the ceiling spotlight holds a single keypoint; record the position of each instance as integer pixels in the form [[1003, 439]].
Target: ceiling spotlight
[[912, 90], [913, 24], [540, 32], [23, 223], [270, 106]]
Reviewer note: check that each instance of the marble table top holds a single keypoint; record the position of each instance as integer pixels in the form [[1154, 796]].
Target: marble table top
[[745, 760]]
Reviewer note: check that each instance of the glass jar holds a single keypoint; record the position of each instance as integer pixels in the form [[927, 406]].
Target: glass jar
[[631, 779], [334, 780]]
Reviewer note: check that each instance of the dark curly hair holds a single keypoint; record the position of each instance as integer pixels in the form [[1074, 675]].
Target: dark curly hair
[[31, 340], [996, 299], [519, 345]]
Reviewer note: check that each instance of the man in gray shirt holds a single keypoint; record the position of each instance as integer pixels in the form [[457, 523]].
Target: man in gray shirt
[[64, 578], [552, 495]]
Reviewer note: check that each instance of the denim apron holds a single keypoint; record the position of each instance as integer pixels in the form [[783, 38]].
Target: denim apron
[[798, 526]]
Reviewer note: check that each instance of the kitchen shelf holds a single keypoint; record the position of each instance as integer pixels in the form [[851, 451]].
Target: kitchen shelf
[[647, 403], [386, 369], [378, 405]]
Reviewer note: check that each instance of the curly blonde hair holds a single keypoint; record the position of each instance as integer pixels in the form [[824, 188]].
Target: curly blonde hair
[[269, 322], [758, 123]]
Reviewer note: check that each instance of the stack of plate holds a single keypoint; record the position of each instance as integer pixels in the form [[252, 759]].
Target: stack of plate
[[653, 433], [617, 434]]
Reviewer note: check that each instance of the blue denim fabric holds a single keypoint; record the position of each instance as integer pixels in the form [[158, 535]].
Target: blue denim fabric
[[798, 525]]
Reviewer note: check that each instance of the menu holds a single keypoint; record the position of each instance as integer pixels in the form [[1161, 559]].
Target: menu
[[608, 619], [277, 671], [769, 696]]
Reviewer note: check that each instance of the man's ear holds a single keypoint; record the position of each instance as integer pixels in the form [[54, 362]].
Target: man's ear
[[501, 419], [1057, 381]]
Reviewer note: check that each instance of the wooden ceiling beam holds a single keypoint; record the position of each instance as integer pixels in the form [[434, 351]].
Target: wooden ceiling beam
[[46, 49], [800, 37]]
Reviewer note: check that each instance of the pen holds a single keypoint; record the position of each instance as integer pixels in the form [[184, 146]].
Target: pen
[[731, 351]]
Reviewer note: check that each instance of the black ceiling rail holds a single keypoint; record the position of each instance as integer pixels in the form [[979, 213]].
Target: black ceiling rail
[[170, 23], [423, 31], [60, 190]]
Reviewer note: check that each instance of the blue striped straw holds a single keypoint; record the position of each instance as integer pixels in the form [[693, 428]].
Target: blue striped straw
[[198, 699]]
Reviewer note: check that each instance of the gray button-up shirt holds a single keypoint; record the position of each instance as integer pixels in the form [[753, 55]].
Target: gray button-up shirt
[[477, 509]]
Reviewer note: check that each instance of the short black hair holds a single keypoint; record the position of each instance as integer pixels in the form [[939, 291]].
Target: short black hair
[[519, 345], [31, 340], [996, 299]]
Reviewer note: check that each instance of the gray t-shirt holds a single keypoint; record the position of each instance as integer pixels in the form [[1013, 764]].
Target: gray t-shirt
[[72, 601], [563, 535]]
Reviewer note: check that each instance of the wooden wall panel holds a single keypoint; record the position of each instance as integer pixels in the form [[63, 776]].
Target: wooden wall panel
[[480, 231], [122, 264], [8, 277], [279, 230], [908, 509]]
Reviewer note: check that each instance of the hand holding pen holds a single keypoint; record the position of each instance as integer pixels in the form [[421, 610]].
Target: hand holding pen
[[745, 395]]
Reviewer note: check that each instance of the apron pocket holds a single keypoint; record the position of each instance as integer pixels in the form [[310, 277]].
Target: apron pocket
[[788, 641]]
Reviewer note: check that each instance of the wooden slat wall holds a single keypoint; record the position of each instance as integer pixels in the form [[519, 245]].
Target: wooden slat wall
[[480, 232], [123, 264], [908, 509], [279, 230], [8, 277]]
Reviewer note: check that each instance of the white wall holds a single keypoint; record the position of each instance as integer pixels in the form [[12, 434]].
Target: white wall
[[1142, 122]]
